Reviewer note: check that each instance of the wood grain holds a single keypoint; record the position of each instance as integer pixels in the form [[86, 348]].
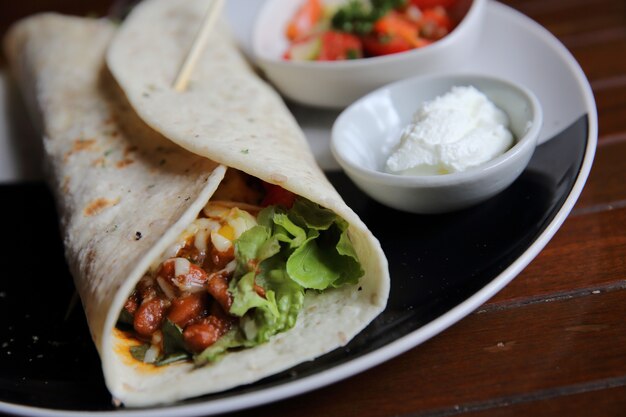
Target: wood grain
[[606, 186], [489, 359], [607, 400], [610, 95], [560, 270]]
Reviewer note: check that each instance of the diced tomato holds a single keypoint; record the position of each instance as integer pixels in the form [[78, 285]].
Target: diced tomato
[[277, 195], [389, 44], [435, 23], [439, 16], [305, 19], [415, 25], [305, 49], [393, 24], [325, 46], [339, 45], [424, 4]]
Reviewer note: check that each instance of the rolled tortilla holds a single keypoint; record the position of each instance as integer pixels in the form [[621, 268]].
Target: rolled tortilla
[[126, 192]]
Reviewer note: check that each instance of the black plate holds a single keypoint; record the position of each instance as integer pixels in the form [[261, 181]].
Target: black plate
[[47, 359]]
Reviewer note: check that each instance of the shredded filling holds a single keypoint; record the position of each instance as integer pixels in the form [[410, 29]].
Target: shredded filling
[[237, 275]]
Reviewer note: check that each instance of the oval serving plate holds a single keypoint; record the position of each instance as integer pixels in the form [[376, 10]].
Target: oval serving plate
[[442, 267]]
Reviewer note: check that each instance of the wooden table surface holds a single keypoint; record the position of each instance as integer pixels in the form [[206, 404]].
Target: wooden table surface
[[554, 340]]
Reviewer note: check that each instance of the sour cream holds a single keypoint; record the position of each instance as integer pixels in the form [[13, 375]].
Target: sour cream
[[456, 131]]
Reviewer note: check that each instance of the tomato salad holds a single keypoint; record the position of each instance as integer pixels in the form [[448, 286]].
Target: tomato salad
[[237, 275], [365, 28]]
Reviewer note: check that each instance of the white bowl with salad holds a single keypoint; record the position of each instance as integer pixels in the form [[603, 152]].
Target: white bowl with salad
[[328, 53]]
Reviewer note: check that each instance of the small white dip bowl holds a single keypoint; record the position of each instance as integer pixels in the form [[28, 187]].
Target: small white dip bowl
[[365, 133], [335, 84]]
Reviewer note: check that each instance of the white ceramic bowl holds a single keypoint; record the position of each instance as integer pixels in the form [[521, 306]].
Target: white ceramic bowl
[[364, 134], [337, 84]]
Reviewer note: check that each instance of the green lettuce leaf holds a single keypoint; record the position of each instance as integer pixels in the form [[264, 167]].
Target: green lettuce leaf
[[286, 253], [289, 297], [246, 298], [287, 231], [326, 260], [312, 216]]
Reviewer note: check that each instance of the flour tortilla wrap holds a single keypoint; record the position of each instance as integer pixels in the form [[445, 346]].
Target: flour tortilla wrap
[[126, 189]]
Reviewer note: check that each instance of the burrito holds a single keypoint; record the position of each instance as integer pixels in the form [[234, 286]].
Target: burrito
[[208, 248]]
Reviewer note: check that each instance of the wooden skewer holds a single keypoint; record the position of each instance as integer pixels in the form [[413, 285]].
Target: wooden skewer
[[182, 79]]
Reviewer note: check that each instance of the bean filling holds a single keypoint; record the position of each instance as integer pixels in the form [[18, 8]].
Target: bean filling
[[237, 275], [189, 288]]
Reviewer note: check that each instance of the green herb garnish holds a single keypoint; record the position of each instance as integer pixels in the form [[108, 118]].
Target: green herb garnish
[[359, 18]]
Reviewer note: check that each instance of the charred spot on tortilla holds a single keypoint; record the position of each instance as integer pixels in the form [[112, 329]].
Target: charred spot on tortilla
[[65, 187], [80, 145], [124, 163], [99, 162], [279, 178], [237, 274], [98, 205]]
